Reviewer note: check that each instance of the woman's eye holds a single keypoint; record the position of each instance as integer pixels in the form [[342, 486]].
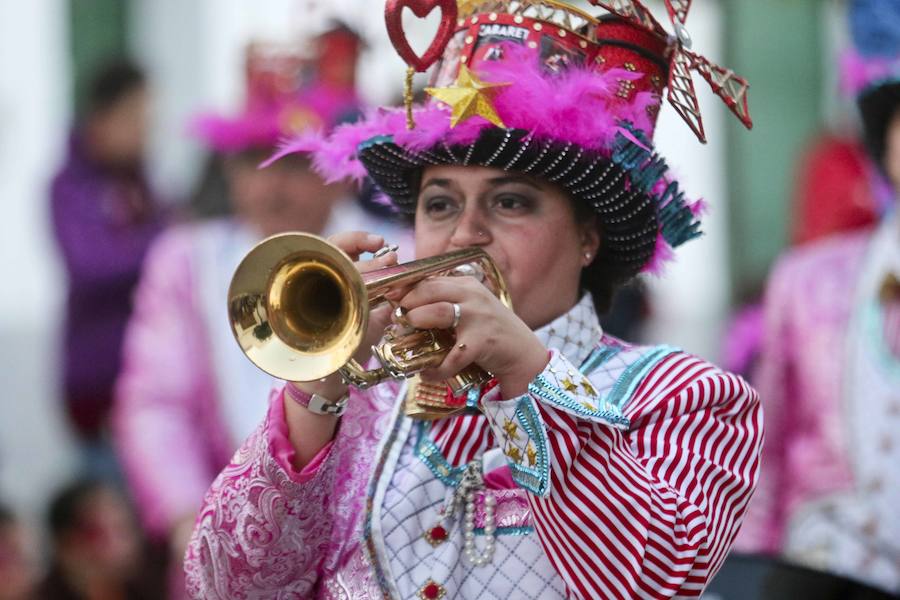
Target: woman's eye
[[439, 206], [512, 203]]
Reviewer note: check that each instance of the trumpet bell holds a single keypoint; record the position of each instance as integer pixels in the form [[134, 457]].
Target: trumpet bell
[[293, 270]]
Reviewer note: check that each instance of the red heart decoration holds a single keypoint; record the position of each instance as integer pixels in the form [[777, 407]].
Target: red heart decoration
[[393, 12]]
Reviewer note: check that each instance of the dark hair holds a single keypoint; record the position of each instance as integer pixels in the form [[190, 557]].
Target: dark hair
[[65, 508], [877, 107], [603, 277], [111, 83]]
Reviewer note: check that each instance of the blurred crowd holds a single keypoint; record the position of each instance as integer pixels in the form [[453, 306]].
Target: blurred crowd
[[156, 388], [153, 384]]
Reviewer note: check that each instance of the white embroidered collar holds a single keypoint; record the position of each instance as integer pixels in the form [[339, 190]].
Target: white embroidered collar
[[576, 333]]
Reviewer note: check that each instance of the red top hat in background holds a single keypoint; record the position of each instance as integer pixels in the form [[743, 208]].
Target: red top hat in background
[[289, 90]]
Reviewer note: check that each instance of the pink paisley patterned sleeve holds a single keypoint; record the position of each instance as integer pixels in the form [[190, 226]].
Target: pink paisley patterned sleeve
[[265, 528]]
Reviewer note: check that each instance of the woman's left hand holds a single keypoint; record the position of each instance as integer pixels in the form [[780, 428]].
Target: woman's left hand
[[488, 333]]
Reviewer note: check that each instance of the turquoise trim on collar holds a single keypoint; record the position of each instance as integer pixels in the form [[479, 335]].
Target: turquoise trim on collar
[[598, 357], [535, 479], [429, 453], [542, 388], [524, 530], [634, 374]]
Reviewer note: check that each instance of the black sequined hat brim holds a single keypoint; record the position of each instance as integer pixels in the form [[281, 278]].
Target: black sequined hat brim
[[628, 213]]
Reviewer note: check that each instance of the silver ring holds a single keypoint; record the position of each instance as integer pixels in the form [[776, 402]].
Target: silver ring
[[457, 313], [400, 316], [386, 250]]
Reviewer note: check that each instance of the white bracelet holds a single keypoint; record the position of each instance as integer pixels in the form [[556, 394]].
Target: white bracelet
[[315, 403]]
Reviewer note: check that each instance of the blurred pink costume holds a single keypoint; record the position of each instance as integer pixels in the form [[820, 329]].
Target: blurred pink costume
[[187, 397], [627, 477], [829, 379]]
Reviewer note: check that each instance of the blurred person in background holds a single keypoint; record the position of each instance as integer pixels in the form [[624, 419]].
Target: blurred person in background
[[829, 372], [97, 547], [836, 189], [18, 558], [104, 218], [186, 396], [833, 191]]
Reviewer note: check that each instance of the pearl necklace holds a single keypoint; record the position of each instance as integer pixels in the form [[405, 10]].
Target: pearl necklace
[[471, 482]]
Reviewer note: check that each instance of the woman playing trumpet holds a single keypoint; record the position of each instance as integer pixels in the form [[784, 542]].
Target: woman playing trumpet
[[586, 467]]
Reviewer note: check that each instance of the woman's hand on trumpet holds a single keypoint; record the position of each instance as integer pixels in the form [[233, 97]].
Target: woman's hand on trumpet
[[487, 333], [356, 243], [309, 432]]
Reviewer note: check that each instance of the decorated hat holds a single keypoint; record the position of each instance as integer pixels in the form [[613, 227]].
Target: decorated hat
[[337, 50], [872, 68], [543, 88], [285, 96]]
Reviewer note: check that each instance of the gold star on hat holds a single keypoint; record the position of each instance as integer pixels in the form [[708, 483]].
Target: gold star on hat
[[468, 97]]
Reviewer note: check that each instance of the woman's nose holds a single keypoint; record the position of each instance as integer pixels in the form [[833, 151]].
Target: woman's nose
[[471, 230]]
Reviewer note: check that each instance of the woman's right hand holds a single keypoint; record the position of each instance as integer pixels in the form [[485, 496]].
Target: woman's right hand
[[354, 244], [308, 431]]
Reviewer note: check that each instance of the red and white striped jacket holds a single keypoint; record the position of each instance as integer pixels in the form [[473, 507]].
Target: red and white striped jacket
[[631, 474]]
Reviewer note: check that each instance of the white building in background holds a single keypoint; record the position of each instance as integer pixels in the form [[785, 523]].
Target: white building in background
[[35, 83]]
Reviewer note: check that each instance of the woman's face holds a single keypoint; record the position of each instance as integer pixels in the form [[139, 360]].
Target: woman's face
[[286, 196], [117, 136], [526, 225]]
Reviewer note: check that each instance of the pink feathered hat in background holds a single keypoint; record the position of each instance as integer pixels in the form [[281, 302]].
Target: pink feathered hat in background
[[287, 92]]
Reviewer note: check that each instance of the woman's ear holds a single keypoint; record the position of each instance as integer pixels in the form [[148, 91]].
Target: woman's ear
[[590, 240]]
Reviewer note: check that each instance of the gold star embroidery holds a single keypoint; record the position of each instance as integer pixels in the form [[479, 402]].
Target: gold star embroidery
[[588, 388], [532, 455], [468, 97], [511, 429], [568, 385], [589, 406], [515, 454]]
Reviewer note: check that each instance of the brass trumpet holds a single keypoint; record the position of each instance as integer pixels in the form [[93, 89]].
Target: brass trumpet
[[299, 309]]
